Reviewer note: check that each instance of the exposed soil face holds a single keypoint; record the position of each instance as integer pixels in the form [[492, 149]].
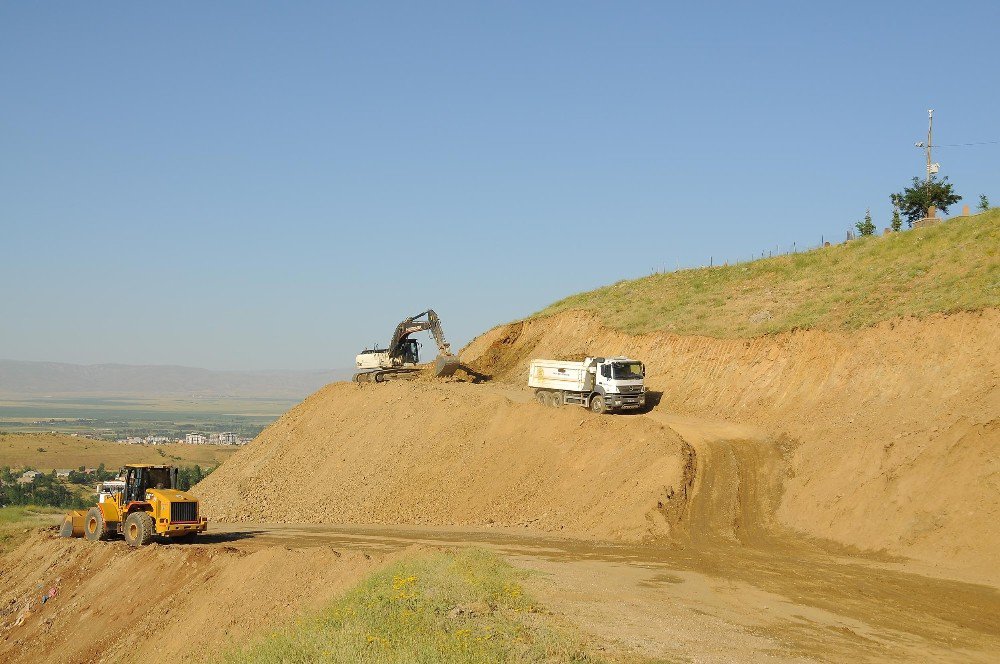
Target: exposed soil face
[[453, 454], [161, 602], [760, 511], [713, 600], [892, 430]]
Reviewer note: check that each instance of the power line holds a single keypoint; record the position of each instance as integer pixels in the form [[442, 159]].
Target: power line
[[962, 145]]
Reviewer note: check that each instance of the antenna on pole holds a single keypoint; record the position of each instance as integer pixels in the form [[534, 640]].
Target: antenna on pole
[[930, 130], [932, 168]]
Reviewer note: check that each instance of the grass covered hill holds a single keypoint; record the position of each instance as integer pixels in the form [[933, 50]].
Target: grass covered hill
[[954, 266], [45, 451]]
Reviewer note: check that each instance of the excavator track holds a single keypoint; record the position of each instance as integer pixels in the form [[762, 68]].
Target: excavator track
[[385, 375]]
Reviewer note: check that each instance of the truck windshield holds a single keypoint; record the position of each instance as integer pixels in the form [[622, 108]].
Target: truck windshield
[[628, 370]]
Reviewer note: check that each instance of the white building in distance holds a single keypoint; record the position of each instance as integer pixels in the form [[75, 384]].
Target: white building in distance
[[195, 439]]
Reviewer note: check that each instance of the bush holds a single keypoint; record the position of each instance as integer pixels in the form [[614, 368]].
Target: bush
[[866, 227]]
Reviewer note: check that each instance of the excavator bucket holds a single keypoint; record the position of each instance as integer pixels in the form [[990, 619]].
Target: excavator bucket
[[445, 365], [72, 525]]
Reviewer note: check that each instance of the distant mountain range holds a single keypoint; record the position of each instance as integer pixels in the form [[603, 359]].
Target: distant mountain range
[[24, 379]]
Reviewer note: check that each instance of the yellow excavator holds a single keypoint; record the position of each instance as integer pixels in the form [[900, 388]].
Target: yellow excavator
[[148, 504]]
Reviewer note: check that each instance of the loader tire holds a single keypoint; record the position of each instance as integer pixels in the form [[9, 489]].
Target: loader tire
[[138, 529], [597, 404], [94, 526]]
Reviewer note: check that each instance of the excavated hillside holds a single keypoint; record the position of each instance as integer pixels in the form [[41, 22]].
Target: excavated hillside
[[453, 454], [879, 436], [894, 427], [70, 600]]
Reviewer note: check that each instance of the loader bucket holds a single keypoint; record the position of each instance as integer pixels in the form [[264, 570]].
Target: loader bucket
[[72, 525], [445, 365]]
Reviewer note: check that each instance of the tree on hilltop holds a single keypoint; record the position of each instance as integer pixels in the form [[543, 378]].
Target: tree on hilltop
[[866, 227], [984, 203], [915, 199]]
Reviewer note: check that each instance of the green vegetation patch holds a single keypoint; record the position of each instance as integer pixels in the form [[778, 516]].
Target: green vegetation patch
[[468, 606], [951, 267], [16, 522]]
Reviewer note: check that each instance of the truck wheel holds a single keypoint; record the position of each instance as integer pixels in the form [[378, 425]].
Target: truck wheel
[[93, 527], [555, 399], [597, 404], [138, 529], [541, 397]]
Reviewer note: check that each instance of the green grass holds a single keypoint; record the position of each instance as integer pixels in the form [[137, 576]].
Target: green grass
[[951, 267], [16, 520], [467, 606]]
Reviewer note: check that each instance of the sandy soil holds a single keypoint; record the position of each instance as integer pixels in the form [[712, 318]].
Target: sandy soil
[[890, 433], [453, 454], [195, 600], [804, 497], [710, 601]]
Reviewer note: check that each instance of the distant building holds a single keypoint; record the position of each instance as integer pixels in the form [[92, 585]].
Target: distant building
[[28, 477], [228, 438], [195, 439], [63, 472]]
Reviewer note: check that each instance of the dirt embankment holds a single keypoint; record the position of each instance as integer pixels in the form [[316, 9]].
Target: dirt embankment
[[159, 603], [894, 428], [453, 454]]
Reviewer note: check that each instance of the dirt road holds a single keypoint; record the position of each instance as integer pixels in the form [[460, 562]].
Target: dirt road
[[713, 602]]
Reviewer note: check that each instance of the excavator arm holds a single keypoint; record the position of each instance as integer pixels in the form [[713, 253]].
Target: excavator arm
[[414, 324], [446, 363]]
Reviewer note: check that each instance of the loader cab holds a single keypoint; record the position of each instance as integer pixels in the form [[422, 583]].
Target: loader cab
[[139, 479]]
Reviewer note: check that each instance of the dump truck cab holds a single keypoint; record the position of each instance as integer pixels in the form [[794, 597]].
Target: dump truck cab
[[148, 504]]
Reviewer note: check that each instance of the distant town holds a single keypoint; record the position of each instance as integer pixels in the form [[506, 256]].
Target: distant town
[[223, 438]]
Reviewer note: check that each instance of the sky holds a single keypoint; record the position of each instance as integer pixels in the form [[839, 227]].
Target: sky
[[249, 185]]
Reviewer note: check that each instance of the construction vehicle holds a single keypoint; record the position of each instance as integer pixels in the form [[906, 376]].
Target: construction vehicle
[[401, 357], [602, 384], [145, 504]]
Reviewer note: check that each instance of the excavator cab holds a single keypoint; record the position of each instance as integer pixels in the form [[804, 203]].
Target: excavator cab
[[410, 352]]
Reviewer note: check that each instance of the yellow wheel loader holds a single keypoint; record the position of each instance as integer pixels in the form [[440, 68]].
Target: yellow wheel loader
[[149, 504]]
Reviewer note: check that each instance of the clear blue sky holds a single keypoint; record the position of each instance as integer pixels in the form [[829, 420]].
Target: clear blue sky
[[274, 185]]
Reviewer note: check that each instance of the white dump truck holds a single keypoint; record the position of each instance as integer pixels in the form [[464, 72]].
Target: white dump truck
[[601, 384]]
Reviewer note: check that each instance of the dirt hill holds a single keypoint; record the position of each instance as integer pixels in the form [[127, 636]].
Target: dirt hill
[[452, 454], [878, 436], [894, 427], [202, 599]]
